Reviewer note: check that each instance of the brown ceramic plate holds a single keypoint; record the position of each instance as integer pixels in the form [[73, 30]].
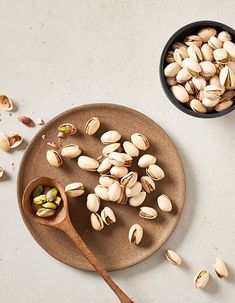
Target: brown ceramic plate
[[111, 245]]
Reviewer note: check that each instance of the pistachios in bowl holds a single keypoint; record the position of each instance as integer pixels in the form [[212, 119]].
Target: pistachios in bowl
[[197, 69]]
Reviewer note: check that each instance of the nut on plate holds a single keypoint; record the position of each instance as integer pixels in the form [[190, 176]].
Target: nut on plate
[[111, 136], [6, 103], [140, 141], [118, 171], [93, 203], [54, 158], [107, 180], [146, 160], [87, 163], [108, 216], [102, 192], [164, 203], [104, 166], [220, 268], [67, 128], [130, 149], [155, 172], [148, 184], [148, 213], [129, 179], [114, 191], [70, 151], [92, 126], [97, 222], [135, 234], [201, 279], [138, 199], [134, 190], [111, 148], [74, 189], [173, 257]]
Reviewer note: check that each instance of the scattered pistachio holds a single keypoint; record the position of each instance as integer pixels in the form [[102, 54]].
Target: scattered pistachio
[[220, 268], [140, 141], [137, 199], [26, 121], [108, 216], [54, 158], [70, 151], [111, 136], [93, 203], [201, 279], [135, 234], [148, 213], [4, 142], [92, 126], [14, 140], [88, 163], [6, 103], [68, 129], [75, 189], [97, 222], [173, 257], [164, 203]]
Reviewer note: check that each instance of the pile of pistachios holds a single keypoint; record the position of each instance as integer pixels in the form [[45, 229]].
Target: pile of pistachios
[[201, 71], [45, 201]]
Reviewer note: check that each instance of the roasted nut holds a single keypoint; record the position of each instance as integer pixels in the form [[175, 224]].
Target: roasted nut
[[104, 167], [6, 103], [140, 141], [220, 268], [49, 205], [111, 136], [155, 172], [117, 159], [130, 149], [183, 76], [193, 39], [224, 36], [201, 279], [138, 199], [210, 102], [148, 213], [192, 67], [206, 33], [213, 91], [114, 191], [230, 49], [170, 57], [92, 126], [194, 52], [128, 160], [54, 158], [148, 184], [135, 234], [93, 203], [107, 180], [70, 151], [51, 194], [180, 93], [207, 69], [227, 77], [197, 106], [223, 105], [14, 140], [199, 82], [180, 54], [26, 121], [68, 129], [74, 189], [214, 42], [45, 212], [164, 203], [146, 160], [171, 81], [129, 179], [123, 198], [1, 172], [134, 190], [108, 216], [118, 171], [207, 53], [88, 163], [97, 222], [102, 192], [172, 69], [4, 143], [40, 199], [221, 55], [111, 148], [173, 257]]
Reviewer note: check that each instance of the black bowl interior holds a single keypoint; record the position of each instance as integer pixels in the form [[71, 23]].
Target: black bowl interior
[[191, 29]]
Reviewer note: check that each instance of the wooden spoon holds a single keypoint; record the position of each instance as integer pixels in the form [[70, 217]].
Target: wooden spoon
[[62, 221]]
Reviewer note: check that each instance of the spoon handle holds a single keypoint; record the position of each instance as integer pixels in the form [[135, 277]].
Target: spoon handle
[[73, 235]]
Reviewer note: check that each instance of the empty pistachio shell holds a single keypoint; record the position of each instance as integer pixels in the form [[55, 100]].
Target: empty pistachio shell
[[129, 179], [197, 106], [104, 167], [54, 158], [130, 149], [74, 189], [194, 52], [207, 53], [221, 55], [213, 91], [201, 279], [173, 257], [183, 76], [88, 163], [223, 105], [172, 69], [199, 82], [70, 151], [114, 191], [97, 222], [110, 148], [116, 158], [92, 126], [193, 39], [6, 103], [93, 203], [111, 136], [1, 172], [148, 184], [227, 77], [68, 129], [206, 33], [108, 216], [171, 81], [123, 198], [207, 69], [146, 160], [148, 213], [214, 42], [170, 57], [180, 93], [230, 48], [180, 54], [107, 180], [138, 199], [45, 212], [134, 190], [4, 143], [224, 36], [140, 141], [135, 234], [102, 192], [155, 172], [192, 67], [210, 102], [128, 160], [164, 203], [118, 171], [220, 268], [14, 140]]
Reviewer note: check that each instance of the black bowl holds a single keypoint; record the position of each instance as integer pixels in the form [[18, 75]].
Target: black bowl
[[191, 29]]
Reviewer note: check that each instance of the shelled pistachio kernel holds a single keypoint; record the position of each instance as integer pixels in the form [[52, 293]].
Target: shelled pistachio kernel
[[173, 257], [92, 126], [135, 234], [201, 279]]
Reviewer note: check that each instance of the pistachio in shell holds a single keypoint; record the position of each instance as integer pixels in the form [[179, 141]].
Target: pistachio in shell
[[224, 36], [220, 268], [92, 126], [197, 106], [206, 32], [54, 158], [180, 93], [4, 142], [173, 257], [1, 172], [67, 128], [201, 279]]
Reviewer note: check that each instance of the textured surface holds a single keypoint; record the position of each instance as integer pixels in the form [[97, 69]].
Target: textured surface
[[59, 54]]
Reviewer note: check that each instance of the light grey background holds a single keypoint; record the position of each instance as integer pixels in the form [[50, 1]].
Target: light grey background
[[58, 54]]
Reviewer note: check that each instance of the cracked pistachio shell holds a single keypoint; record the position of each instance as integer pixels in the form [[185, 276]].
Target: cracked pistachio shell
[[210, 102], [199, 82], [180, 54], [173, 257], [228, 95], [193, 39], [54, 158], [178, 45], [180, 93], [70, 151], [223, 105], [129, 179], [221, 55], [104, 166], [4, 142], [231, 64], [172, 69], [146, 160], [197, 106], [207, 69], [97, 222], [118, 171], [14, 140], [117, 159], [110, 148], [92, 126], [111, 136], [220, 268], [155, 172], [93, 203], [148, 184], [45, 212], [201, 279], [190, 88], [214, 42], [230, 48], [88, 163], [6, 103], [67, 128], [207, 53], [75, 189], [135, 234], [134, 190], [107, 180], [164, 203], [227, 77], [108, 216], [192, 67], [114, 192], [171, 81], [130, 149], [194, 52], [183, 76], [140, 141], [138, 199], [123, 198], [224, 36], [128, 160], [213, 91], [206, 33], [199, 95], [170, 57], [214, 80], [1, 172], [102, 192], [148, 213]]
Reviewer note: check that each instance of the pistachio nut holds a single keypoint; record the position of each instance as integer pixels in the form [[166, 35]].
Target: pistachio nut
[[148, 184], [36, 207], [138, 199], [221, 55], [180, 93], [67, 128], [223, 105], [49, 205], [102, 192], [61, 136], [180, 54], [192, 67], [206, 33], [214, 80], [54, 158], [114, 191], [58, 201], [128, 160], [197, 106], [214, 42], [228, 95], [14, 140], [227, 77], [190, 88], [155, 172], [135, 234], [1, 172], [201, 279], [129, 179], [224, 36], [146, 160], [220, 268], [231, 64], [199, 95], [134, 190], [172, 69], [173, 257], [104, 167], [117, 159], [170, 57], [40, 199], [193, 39], [111, 136], [92, 126], [171, 81], [199, 82], [51, 194], [75, 189], [164, 203], [4, 142], [183, 76], [70, 151], [140, 141], [118, 171], [207, 53], [45, 212], [6, 103], [213, 91], [207, 69], [97, 222], [93, 203], [88, 163], [130, 149], [108, 216], [210, 102], [111, 148], [148, 213], [218, 66], [107, 180], [195, 53], [123, 198], [230, 49], [178, 45]]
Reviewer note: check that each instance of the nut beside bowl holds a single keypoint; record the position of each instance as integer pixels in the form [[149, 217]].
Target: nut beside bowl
[[179, 36]]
